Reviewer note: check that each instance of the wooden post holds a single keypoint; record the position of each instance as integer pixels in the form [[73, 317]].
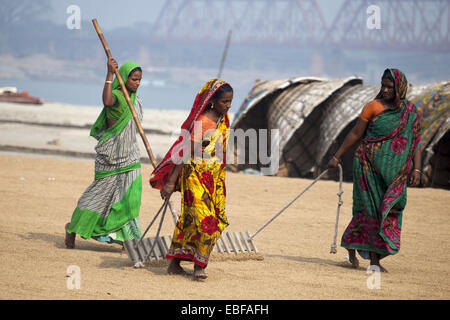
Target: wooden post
[[130, 105], [125, 94]]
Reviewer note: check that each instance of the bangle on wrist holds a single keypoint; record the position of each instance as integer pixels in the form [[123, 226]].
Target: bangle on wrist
[[418, 171], [108, 81], [335, 158]]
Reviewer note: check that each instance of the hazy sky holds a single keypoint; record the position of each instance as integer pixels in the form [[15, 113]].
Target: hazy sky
[[419, 66], [109, 13], [121, 13]]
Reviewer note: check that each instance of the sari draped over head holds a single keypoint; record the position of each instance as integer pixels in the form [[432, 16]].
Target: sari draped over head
[[108, 210], [162, 170], [201, 182], [381, 166], [121, 105]]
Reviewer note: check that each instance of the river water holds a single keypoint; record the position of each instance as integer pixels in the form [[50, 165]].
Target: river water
[[155, 95]]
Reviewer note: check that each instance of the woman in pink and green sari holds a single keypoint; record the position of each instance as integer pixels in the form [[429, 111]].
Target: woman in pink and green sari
[[387, 155]]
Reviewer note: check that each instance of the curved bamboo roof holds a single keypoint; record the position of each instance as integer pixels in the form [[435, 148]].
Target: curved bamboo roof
[[263, 89], [314, 115], [297, 112]]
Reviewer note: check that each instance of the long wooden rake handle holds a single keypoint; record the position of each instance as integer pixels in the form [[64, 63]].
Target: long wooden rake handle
[[130, 105], [125, 94]]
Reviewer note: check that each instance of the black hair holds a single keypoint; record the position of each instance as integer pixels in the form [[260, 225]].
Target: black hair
[[134, 70], [223, 89], [387, 75]]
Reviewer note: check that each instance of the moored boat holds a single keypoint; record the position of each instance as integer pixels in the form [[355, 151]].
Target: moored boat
[[10, 94]]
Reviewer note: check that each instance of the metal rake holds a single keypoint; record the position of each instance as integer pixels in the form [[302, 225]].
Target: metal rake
[[147, 249], [156, 248], [340, 202]]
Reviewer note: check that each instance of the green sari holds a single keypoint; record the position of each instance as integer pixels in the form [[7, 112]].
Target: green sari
[[108, 210], [381, 166]]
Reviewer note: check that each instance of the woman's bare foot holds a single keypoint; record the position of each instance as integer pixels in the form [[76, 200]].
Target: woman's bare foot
[[375, 261], [377, 267], [175, 268], [199, 273], [352, 258], [70, 238], [382, 269]]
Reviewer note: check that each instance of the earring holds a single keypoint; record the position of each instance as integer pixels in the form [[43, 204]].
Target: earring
[[212, 106]]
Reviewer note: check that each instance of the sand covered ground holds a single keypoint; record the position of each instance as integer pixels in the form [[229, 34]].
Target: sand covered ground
[[46, 160], [38, 195]]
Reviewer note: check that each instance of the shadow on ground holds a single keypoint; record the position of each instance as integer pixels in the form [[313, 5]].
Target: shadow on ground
[[80, 243], [343, 264]]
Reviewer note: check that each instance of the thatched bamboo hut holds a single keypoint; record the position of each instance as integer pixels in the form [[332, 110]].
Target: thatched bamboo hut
[[314, 115], [343, 110], [298, 112], [434, 106], [343, 116], [296, 108], [253, 113]]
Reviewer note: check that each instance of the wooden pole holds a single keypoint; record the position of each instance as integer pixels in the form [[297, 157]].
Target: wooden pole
[[133, 112], [125, 94], [224, 54]]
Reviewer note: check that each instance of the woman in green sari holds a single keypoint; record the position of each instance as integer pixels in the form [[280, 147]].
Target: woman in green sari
[[108, 211], [390, 131]]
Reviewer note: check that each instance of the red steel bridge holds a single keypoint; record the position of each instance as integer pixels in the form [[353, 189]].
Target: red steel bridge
[[403, 24]]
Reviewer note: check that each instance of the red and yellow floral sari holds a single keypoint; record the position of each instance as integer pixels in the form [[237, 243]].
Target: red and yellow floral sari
[[202, 185]]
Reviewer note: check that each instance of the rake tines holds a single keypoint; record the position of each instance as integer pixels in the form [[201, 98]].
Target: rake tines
[[235, 242], [146, 249], [138, 250]]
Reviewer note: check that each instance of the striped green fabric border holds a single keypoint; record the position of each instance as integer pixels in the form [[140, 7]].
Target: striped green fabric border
[[132, 230], [107, 173], [88, 223]]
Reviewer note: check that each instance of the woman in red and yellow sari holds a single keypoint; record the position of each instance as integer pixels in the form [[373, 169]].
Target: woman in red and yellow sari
[[195, 166]]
